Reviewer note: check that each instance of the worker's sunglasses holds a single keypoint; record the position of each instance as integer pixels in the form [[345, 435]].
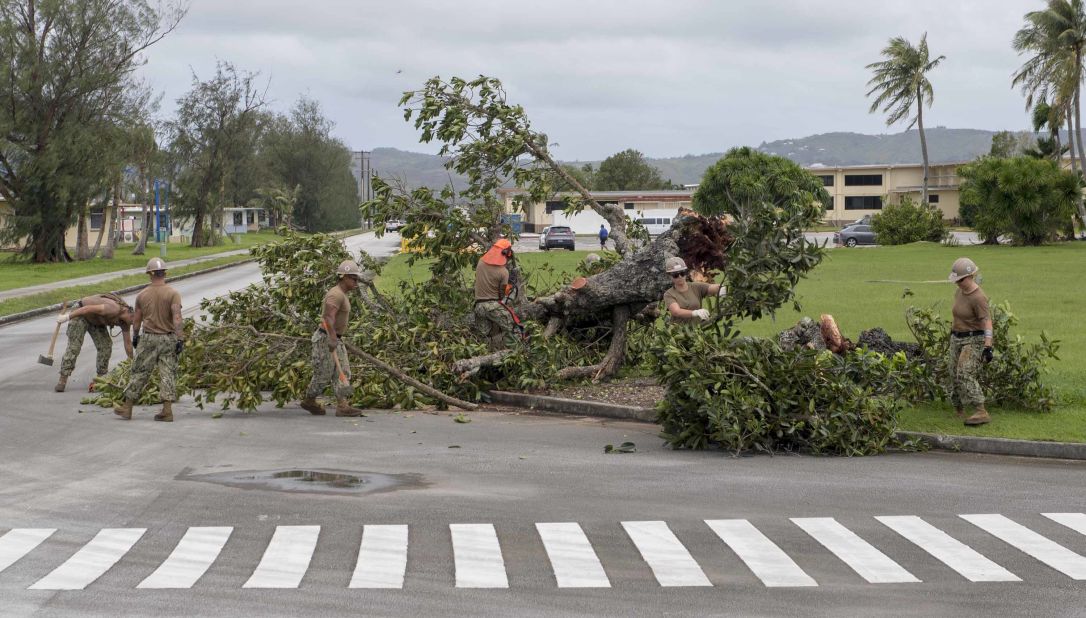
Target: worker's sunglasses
[[679, 274]]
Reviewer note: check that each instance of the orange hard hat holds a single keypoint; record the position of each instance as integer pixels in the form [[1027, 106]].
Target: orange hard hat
[[497, 255]]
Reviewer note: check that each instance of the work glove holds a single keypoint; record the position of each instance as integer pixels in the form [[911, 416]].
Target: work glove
[[135, 340], [702, 314], [177, 347], [987, 355], [722, 292], [62, 318]]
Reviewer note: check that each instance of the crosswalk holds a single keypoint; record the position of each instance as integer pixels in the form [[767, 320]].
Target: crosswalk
[[385, 555]]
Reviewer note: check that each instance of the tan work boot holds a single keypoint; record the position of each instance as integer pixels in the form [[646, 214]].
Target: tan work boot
[[313, 407], [345, 409], [124, 410], [166, 415], [62, 383], [980, 417]]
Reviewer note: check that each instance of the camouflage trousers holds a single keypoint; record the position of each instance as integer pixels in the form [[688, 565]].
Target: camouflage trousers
[[154, 350], [963, 367], [324, 368], [493, 321], [77, 329]]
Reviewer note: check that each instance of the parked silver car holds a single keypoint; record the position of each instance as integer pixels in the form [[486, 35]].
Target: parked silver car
[[855, 234], [543, 238]]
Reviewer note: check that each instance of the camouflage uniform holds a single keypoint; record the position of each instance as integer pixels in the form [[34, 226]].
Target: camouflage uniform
[[493, 321], [963, 367], [78, 327], [154, 349], [324, 368]]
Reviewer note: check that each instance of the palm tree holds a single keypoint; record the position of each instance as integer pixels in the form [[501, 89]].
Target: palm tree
[[1056, 38], [899, 82]]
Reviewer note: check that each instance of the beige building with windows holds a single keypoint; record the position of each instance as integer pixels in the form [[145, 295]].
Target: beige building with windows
[[855, 191]]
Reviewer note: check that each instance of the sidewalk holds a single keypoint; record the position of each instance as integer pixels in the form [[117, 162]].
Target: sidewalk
[[90, 279]]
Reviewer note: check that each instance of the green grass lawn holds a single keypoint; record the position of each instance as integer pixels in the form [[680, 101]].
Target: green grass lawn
[[17, 273], [44, 299], [1042, 285]]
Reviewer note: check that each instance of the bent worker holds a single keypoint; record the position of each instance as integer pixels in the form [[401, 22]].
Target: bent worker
[[683, 300], [328, 346], [492, 317], [95, 315], [970, 342], [159, 328]]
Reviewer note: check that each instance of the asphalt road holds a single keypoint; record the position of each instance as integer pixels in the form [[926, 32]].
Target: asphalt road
[[97, 515], [530, 242]]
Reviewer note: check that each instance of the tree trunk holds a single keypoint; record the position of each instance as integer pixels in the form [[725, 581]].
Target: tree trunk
[[923, 143], [101, 232], [1074, 141], [114, 215], [82, 236], [616, 352]]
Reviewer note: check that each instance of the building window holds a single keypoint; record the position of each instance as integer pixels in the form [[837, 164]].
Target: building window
[[933, 198], [863, 180], [827, 181], [628, 206], [828, 203], [555, 205], [250, 216], [96, 219], [863, 202], [238, 220]]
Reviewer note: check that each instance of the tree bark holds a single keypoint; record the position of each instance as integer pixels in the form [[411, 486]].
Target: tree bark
[[923, 142], [114, 215], [101, 233], [616, 352], [1074, 141]]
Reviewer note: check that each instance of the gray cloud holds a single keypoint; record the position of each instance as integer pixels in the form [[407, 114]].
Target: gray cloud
[[672, 78]]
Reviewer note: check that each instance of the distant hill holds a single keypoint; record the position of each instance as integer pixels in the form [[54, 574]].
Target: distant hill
[[830, 149]]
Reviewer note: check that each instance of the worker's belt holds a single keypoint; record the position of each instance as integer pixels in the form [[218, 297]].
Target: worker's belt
[[966, 333]]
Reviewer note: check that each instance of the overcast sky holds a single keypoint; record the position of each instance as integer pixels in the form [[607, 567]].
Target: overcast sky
[[668, 78]]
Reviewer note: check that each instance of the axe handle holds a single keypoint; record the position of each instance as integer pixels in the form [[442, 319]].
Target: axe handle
[[339, 369], [56, 331]]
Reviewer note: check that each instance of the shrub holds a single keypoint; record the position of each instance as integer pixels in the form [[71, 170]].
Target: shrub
[[1028, 199], [909, 221]]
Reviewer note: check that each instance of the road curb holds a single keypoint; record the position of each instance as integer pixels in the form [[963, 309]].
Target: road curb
[[33, 313], [958, 444], [999, 446]]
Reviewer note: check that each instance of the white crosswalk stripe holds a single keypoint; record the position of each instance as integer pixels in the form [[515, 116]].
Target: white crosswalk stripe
[[478, 556], [386, 554], [1042, 548], [948, 550], [286, 559], [190, 559], [768, 562], [20, 542], [1074, 521], [92, 561], [669, 560], [572, 558], [868, 562], [382, 558]]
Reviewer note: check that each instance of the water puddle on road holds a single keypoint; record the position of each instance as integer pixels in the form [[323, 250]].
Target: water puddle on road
[[336, 482]]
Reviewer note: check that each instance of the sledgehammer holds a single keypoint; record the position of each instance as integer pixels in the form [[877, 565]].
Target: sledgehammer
[[47, 359]]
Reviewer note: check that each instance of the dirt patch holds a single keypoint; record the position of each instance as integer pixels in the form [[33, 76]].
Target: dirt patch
[[639, 392]]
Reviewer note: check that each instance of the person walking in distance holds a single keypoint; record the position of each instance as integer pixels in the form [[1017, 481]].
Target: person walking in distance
[[683, 299], [95, 315], [492, 318], [970, 342], [328, 345], [158, 327], [603, 237]]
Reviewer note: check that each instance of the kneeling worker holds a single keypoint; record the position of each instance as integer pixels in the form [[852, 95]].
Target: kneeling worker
[[158, 313], [335, 315], [683, 300], [492, 319], [95, 314]]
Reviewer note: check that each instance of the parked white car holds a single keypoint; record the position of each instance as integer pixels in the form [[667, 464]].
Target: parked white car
[[543, 238]]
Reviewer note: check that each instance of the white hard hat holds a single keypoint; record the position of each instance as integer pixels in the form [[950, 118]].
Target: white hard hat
[[349, 267], [674, 265], [155, 264], [962, 268]]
